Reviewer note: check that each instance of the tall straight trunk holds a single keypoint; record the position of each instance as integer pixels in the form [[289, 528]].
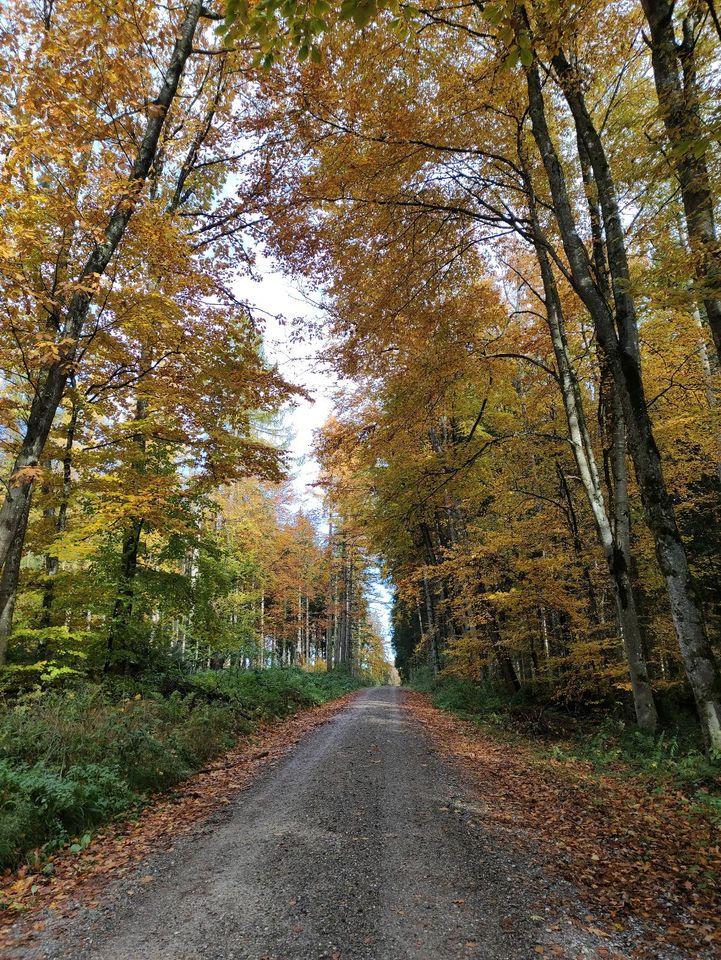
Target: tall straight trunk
[[572, 521], [421, 628], [123, 607], [628, 616], [336, 619], [9, 582], [674, 73], [343, 639], [508, 671], [49, 562], [52, 563], [348, 640], [432, 593], [261, 639], [431, 618], [71, 322], [307, 630], [617, 334], [617, 560], [330, 625], [342, 610]]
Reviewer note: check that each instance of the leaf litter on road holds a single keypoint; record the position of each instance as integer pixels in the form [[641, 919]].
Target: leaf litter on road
[[633, 854]]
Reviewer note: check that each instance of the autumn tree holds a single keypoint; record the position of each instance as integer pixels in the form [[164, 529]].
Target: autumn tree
[[390, 160]]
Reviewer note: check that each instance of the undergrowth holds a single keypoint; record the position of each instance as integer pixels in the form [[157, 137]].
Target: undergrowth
[[74, 758], [672, 759]]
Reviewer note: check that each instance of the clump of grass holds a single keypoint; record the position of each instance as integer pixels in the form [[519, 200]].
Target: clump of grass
[[673, 758]]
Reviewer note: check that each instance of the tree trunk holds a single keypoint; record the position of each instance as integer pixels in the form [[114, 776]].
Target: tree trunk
[[261, 642], [674, 72], [123, 607], [52, 564], [508, 671], [646, 714], [432, 635], [621, 348], [9, 582], [585, 458]]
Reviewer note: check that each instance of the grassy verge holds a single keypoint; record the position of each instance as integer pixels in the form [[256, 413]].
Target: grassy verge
[[672, 759], [73, 759]]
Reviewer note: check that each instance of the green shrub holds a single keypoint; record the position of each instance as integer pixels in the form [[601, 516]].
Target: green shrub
[[74, 758], [468, 699], [424, 679], [674, 754], [473, 701], [39, 805]]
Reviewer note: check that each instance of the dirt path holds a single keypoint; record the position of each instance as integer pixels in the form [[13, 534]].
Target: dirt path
[[362, 843]]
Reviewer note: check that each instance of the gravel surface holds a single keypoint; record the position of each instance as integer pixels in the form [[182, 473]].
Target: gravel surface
[[360, 844]]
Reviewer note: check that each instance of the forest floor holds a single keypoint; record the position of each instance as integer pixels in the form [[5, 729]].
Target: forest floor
[[392, 831]]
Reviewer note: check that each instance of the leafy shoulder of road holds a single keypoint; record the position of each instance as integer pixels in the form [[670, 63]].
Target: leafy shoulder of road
[[634, 853]]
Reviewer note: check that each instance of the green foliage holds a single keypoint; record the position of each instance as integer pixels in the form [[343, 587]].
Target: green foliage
[[280, 24], [40, 804], [424, 679], [45, 658], [74, 759], [271, 693], [471, 701], [674, 755]]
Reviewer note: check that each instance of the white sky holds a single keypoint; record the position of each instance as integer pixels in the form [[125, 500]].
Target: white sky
[[272, 296], [276, 296]]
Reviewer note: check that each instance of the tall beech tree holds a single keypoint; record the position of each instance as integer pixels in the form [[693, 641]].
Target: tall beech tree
[[458, 160]]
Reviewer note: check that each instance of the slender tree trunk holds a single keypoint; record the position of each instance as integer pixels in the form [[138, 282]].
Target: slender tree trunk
[[431, 617], [52, 564], [123, 606], [336, 620], [674, 72], [628, 617], [617, 335], [585, 458], [508, 671], [49, 562], [9, 582], [593, 608], [307, 631], [348, 642], [261, 641], [342, 605]]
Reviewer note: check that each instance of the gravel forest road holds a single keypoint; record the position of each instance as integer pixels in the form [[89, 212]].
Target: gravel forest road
[[359, 844]]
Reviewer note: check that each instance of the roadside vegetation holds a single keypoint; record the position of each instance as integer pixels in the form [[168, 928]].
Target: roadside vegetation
[[670, 761], [74, 758]]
